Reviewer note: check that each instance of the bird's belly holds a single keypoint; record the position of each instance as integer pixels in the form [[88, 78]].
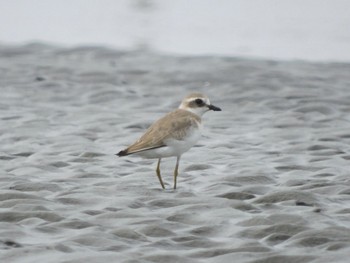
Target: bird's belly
[[174, 147]]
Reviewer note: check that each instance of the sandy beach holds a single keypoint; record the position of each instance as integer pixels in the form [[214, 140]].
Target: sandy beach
[[269, 181]]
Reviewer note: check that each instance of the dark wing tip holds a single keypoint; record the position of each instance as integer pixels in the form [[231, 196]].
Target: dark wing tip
[[122, 153]]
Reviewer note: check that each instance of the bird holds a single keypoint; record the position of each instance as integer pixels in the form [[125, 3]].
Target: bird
[[173, 134]]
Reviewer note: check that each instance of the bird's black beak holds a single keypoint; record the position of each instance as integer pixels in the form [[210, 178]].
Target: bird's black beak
[[214, 108]]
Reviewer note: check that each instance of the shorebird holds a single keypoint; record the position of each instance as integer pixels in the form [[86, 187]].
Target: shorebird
[[173, 134]]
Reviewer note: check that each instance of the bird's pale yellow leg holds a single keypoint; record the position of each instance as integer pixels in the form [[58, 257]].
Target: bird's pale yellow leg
[[158, 174], [176, 171]]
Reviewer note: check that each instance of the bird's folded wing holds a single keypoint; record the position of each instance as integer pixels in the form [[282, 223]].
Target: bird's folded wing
[[164, 128]]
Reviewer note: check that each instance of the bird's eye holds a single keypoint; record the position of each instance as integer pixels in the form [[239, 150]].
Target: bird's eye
[[199, 101]]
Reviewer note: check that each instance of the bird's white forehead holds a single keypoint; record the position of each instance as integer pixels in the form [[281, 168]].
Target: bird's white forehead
[[190, 99]]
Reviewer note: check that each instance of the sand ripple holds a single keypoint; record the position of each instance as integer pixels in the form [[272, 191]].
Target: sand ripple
[[269, 181]]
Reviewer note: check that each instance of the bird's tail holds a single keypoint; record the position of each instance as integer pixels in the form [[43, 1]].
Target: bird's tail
[[122, 153]]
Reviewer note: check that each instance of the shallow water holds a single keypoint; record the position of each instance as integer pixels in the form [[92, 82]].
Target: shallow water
[[311, 30], [268, 182]]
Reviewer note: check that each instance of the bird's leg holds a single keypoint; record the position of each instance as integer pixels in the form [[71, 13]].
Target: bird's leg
[[158, 173], [176, 171]]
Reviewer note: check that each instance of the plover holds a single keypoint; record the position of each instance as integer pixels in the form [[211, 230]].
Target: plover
[[173, 134]]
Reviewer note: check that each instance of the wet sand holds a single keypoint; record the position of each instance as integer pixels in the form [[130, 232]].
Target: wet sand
[[268, 182]]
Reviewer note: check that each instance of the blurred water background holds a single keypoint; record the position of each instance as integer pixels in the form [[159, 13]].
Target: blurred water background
[[316, 30]]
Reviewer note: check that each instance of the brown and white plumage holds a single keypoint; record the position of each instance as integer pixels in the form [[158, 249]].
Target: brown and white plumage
[[175, 125], [173, 134]]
